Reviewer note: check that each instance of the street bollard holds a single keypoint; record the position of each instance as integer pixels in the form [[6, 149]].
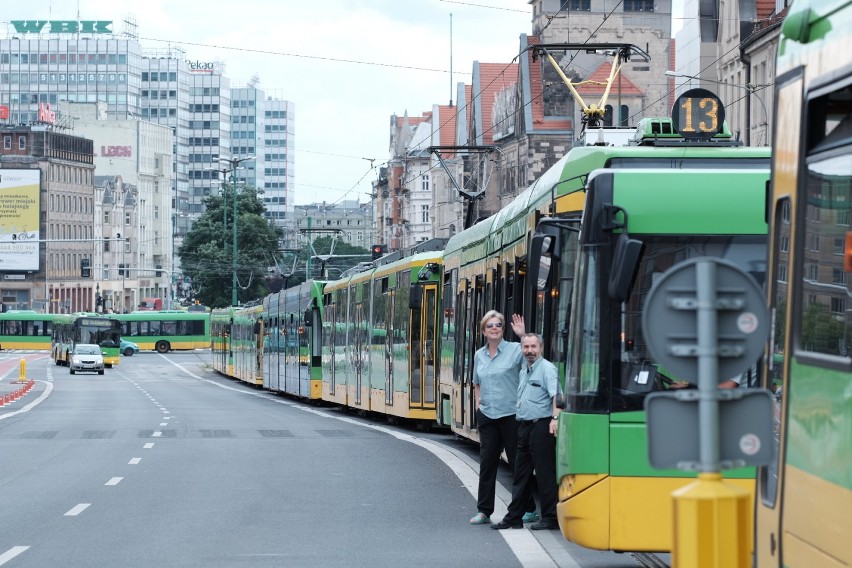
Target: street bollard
[[22, 374]]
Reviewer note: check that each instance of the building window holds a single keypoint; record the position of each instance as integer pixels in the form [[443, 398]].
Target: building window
[[7, 142], [424, 213], [22, 142], [638, 5], [425, 183]]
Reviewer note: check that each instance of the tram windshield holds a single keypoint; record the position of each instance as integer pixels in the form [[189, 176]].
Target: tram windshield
[[610, 367]]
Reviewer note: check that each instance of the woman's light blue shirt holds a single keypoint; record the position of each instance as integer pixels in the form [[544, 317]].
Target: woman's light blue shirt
[[497, 378]]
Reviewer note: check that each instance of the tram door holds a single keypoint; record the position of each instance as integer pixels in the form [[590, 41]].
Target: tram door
[[359, 347], [389, 355], [422, 361]]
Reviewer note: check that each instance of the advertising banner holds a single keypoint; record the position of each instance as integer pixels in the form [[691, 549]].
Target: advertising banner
[[19, 219]]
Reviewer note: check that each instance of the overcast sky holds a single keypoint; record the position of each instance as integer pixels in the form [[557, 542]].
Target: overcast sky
[[347, 65]]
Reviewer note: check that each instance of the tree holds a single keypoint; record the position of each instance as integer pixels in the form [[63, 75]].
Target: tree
[[206, 255]]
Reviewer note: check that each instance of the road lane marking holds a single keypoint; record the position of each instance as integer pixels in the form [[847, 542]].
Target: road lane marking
[[148, 446], [134, 461], [11, 553], [48, 387], [156, 434], [77, 509], [114, 481], [164, 423], [524, 545]]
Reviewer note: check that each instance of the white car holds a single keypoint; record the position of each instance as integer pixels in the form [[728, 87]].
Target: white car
[[86, 357]]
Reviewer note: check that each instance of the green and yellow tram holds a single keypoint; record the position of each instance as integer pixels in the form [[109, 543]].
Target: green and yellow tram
[[292, 344], [804, 499], [379, 335], [678, 197]]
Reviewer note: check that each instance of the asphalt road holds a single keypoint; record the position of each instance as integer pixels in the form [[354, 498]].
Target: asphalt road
[[162, 462]]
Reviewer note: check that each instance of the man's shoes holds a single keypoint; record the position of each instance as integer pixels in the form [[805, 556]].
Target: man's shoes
[[480, 519], [545, 526], [504, 525], [530, 517]]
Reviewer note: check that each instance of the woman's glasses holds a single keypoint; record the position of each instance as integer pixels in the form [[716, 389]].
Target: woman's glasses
[[493, 325]]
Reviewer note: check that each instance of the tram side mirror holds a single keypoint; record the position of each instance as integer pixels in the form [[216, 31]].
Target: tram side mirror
[[625, 263], [544, 248], [415, 297]]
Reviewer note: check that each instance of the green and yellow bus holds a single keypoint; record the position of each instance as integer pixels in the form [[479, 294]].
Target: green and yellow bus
[[71, 329], [25, 329], [166, 330], [804, 499]]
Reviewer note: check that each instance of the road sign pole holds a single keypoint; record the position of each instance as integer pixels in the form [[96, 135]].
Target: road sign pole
[[708, 366], [711, 517]]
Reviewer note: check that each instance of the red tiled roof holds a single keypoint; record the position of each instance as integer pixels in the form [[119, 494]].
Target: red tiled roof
[[447, 133], [493, 77], [765, 8], [537, 101], [413, 120], [601, 74]]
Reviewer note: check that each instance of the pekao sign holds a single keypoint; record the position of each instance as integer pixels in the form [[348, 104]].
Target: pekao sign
[[201, 66], [46, 114], [62, 26]]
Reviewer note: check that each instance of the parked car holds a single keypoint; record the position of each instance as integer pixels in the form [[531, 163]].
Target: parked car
[[128, 348], [86, 357]]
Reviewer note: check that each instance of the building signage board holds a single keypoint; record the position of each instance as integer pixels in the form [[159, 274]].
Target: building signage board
[[19, 219], [46, 114], [201, 66], [62, 26], [117, 151]]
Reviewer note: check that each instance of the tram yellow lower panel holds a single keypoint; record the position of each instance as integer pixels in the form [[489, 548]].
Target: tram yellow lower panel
[[816, 521], [623, 513]]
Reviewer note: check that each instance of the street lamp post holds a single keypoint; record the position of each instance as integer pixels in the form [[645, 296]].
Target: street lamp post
[[234, 162]]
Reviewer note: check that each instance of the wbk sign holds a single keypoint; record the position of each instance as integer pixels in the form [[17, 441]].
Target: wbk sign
[[62, 26]]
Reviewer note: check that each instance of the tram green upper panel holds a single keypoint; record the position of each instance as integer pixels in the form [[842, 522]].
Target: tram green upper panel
[[817, 441], [470, 244], [730, 202], [813, 21]]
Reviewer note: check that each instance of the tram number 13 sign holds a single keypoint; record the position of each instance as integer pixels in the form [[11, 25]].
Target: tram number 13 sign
[[698, 113]]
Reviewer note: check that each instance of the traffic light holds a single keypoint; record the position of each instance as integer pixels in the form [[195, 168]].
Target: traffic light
[[378, 251], [85, 268]]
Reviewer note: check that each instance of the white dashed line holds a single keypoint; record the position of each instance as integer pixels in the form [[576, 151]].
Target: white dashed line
[[148, 446], [11, 553], [156, 434], [164, 423], [134, 461], [114, 481], [77, 509]]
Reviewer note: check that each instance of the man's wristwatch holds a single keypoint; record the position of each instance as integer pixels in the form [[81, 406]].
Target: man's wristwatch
[[556, 418]]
